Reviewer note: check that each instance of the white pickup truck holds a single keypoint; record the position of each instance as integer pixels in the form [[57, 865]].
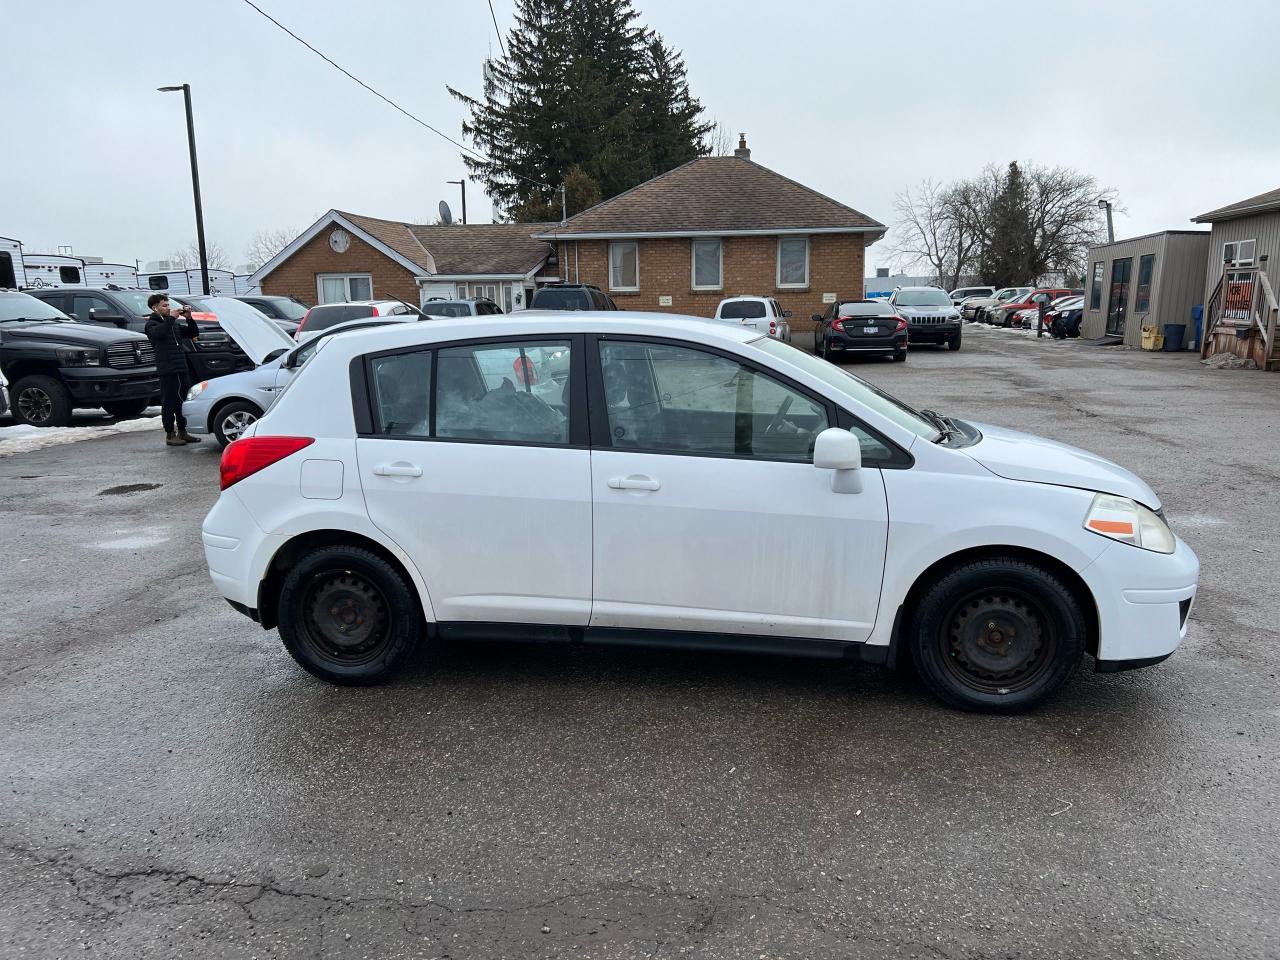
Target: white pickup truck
[[758, 313]]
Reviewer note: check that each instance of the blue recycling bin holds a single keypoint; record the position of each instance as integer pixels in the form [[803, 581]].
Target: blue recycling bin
[[1174, 336]]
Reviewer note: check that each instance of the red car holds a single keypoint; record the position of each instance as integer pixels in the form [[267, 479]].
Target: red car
[[1002, 316]]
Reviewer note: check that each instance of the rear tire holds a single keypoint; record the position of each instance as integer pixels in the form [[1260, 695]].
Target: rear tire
[[997, 636], [347, 616], [231, 420], [900, 355], [40, 401]]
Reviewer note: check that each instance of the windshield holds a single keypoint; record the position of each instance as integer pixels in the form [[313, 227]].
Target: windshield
[[288, 308], [136, 302], [742, 310], [854, 387], [922, 298], [18, 306], [446, 309]]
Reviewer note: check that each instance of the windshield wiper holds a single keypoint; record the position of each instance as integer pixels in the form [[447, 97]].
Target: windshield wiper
[[944, 426]]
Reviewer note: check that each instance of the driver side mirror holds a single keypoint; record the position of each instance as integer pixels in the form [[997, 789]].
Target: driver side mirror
[[816, 317], [839, 450], [786, 314]]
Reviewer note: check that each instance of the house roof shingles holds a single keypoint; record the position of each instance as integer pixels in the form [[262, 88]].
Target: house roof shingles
[[1262, 203], [476, 249], [716, 195]]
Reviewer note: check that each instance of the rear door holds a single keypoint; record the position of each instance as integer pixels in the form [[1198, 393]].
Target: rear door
[[477, 466]]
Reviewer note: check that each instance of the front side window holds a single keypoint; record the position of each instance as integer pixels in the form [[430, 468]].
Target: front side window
[[506, 393], [793, 261], [91, 309], [707, 265], [672, 399], [624, 265], [344, 287], [1146, 265], [1095, 287], [401, 393]]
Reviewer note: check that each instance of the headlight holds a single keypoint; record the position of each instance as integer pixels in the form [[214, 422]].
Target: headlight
[[1129, 522], [74, 357], [197, 389]]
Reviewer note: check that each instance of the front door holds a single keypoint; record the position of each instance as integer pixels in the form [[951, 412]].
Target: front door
[[709, 514], [473, 469], [1119, 302]]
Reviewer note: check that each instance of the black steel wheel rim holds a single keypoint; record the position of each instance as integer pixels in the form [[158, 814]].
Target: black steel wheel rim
[[345, 618], [35, 405], [998, 641]]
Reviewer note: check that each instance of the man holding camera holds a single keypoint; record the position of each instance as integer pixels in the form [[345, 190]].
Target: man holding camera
[[168, 331]]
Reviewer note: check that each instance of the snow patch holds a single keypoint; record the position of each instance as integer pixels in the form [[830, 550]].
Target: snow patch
[[23, 438]]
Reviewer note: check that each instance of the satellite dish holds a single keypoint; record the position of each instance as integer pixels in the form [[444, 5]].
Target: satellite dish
[[446, 215]]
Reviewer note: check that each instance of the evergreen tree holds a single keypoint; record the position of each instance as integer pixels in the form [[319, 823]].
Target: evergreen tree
[[582, 86], [1009, 256]]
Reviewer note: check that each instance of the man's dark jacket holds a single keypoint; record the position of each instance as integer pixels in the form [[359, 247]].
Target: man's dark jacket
[[167, 333]]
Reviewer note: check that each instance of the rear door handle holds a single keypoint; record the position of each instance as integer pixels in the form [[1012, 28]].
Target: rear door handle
[[400, 469], [634, 482]]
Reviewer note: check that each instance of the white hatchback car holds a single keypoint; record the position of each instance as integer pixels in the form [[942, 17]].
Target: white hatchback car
[[638, 478]]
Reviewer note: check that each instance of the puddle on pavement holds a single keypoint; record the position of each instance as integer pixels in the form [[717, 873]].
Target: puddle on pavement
[[128, 488]]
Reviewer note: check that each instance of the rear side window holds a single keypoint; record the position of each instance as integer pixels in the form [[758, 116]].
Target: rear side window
[[402, 393], [322, 318], [742, 310], [507, 393]]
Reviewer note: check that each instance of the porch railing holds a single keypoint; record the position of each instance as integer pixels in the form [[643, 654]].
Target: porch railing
[[1242, 302]]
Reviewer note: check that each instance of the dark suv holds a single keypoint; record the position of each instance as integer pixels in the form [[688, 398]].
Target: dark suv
[[571, 296], [214, 352], [53, 364]]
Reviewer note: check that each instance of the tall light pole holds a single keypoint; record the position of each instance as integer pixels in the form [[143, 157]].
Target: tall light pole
[[463, 185], [1111, 230], [195, 184]]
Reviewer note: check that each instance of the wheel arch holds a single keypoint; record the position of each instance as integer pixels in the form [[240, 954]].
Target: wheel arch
[[296, 547], [930, 575], [220, 405], [31, 366]]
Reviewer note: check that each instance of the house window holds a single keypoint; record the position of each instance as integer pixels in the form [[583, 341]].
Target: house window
[[488, 291], [343, 287], [1095, 289], [624, 265], [708, 265], [1146, 265], [1241, 253], [793, 261]]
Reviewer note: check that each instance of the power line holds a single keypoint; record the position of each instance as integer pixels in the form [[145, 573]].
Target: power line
[[497, 31], [418, 120]]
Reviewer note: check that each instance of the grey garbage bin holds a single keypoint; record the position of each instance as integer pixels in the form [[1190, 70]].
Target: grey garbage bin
[[1174, 337]]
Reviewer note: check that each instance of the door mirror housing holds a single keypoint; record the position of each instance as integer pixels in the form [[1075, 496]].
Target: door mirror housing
[[839, 450], [816, 317], [786, 314], [102, 316]]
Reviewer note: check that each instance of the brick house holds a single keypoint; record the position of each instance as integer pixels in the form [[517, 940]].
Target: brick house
[[717, 227], [346, 256]]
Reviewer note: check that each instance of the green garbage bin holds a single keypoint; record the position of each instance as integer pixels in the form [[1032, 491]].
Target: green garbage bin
[[1174, 337]]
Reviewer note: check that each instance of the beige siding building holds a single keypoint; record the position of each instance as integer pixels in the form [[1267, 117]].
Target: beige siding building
[[1152, 280]]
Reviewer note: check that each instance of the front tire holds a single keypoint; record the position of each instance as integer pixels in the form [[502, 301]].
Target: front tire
[[997, 636], [954, 343], [124, 409], [347, 616], [40, 401], [230, 422]]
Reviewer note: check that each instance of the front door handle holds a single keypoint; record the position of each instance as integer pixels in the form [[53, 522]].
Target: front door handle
[[634, 482], [400, 469]]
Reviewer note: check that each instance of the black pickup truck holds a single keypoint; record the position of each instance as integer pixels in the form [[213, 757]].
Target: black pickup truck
[[54, 363]]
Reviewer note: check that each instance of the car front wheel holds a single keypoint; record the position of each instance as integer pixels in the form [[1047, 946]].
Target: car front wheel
[[231, 421], [40, 401], [997, 636], [954, 343], [125, 408], [347, 616]]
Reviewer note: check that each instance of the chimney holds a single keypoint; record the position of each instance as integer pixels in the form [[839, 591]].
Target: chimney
[[742, 153]]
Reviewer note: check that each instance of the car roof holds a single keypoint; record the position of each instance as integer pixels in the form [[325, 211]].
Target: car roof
[[746, 296], [921, 288]]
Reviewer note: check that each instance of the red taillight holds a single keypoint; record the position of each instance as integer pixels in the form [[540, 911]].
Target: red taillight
[[375, 312], [902, 324], [244, 458], [837, 325], [305, 317]]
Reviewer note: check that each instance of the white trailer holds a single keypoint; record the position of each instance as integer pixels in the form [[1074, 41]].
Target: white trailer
[[221, 282], [103, 275], [12, 274], [46, 270], [244, 286]]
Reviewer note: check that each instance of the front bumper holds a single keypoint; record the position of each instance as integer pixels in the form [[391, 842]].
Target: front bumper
[[1144, 601], [94, 385], [196, 412], [934, 332]]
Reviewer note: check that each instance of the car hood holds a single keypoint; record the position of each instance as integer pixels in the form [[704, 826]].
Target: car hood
[[1023, 456], [66, 332], [257, 334], [926, 311]]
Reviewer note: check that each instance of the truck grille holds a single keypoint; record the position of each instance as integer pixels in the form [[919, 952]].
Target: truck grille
[[930, 321], [124, 354]]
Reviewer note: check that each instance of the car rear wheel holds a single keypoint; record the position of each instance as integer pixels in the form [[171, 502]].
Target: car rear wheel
[[347, 616], [230, 422], [997, 636], [900, 354], [40, 401]]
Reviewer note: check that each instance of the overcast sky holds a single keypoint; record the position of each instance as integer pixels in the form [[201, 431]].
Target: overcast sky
[[1173, 104]]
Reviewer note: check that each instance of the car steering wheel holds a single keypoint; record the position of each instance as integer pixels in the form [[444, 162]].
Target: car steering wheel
[[777, 417]]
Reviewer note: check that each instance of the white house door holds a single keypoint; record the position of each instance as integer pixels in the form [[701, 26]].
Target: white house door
[[708, 512], [481, 487]]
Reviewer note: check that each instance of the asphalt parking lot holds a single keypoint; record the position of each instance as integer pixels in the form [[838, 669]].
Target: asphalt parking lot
[[174, 786]]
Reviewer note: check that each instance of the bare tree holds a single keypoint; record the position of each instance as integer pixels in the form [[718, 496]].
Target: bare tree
[[188, 257], [1065, 217], [719, 141], [933, 231], [265, 244]]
